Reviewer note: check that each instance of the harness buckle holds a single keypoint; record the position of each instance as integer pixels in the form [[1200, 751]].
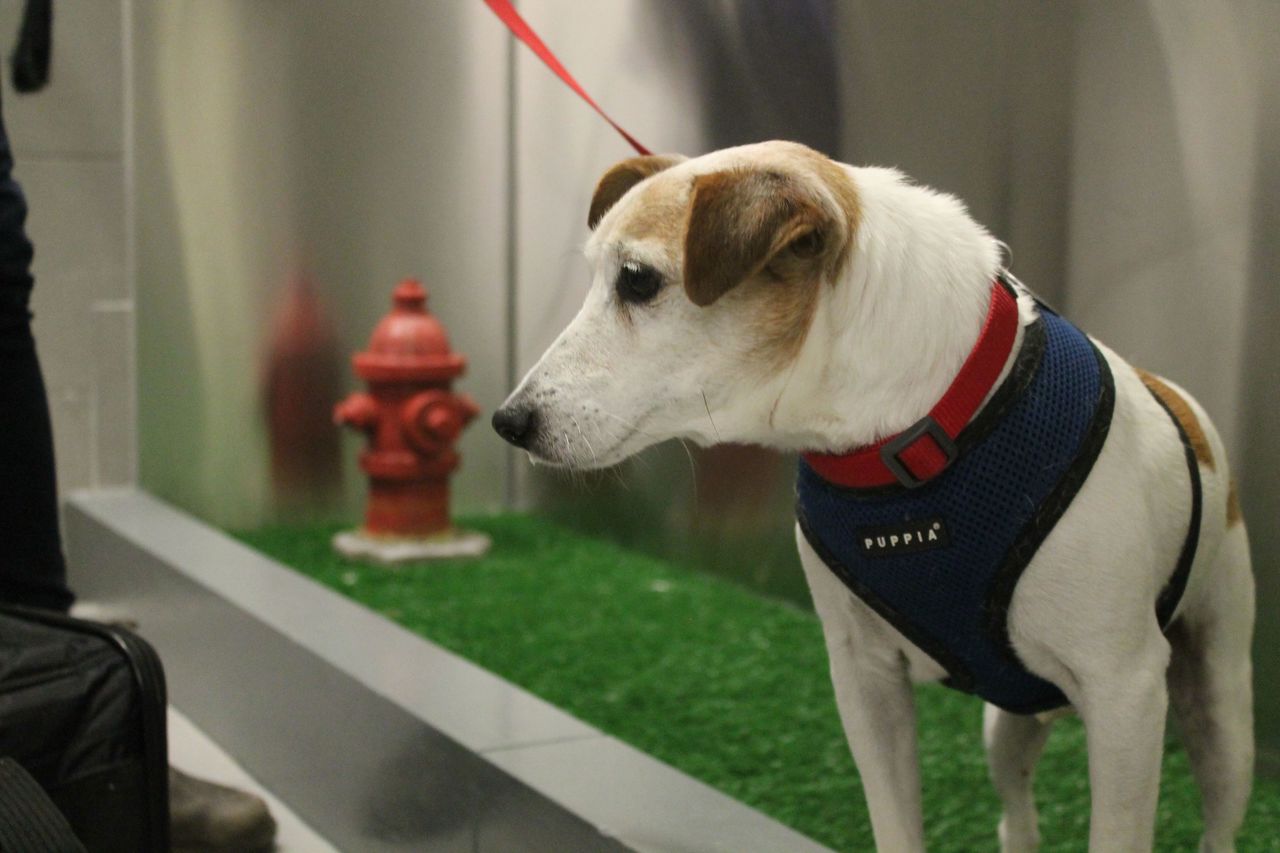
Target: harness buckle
[[891, 453]]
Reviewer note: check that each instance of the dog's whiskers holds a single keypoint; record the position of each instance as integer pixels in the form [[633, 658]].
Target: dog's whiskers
[[613, 470], [773, 410], [616, 471], [575, 476], [707, 406], [585, 440], [693, 469], [640, 460], [627, 424]]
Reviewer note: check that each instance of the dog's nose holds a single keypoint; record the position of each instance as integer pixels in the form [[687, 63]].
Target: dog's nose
[[516, 424]]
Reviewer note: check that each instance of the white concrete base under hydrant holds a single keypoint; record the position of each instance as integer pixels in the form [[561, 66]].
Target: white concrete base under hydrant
[[394, 550]]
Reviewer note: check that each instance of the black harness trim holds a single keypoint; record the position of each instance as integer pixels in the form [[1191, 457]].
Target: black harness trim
[[1049, 514], [1167, 603]]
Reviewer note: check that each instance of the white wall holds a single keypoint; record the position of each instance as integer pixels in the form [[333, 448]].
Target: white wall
[[354, 143], [1165, 185], [69, 144], [974, 99]]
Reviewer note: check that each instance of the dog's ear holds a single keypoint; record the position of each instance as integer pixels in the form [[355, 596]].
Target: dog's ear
[[744, 220], [622, 177]]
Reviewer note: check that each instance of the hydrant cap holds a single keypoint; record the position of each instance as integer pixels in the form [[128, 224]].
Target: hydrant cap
[[409, 344]]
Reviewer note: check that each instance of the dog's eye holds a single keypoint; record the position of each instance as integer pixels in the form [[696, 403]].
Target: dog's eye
[[808, 245], [637, 283]]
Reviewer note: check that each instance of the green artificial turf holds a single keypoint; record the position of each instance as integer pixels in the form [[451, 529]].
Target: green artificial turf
[[726, 685]]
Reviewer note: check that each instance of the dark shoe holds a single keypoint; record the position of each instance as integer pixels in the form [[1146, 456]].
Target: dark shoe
[[210, 818]]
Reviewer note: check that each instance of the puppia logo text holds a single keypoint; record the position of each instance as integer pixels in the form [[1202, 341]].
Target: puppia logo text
[[891, 539]]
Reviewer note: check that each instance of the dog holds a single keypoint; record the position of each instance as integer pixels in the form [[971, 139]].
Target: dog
[[767, 294]]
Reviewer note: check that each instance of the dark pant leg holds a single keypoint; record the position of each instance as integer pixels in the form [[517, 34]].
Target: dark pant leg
[[32, 571]]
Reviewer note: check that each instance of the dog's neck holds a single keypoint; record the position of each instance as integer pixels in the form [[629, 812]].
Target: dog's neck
[[889, 337]]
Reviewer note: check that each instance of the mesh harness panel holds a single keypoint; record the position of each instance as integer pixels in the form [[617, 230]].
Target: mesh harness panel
[[940, 562]]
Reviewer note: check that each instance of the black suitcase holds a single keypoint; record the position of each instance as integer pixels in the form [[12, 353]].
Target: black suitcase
[[82, 709]]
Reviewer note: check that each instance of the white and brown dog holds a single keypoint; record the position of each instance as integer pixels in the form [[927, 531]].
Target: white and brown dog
[[766, 294]]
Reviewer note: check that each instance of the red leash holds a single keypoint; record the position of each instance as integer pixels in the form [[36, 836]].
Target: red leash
[[521, 30]]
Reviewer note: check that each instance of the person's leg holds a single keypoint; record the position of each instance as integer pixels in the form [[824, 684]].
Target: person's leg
[[32, 571], [204, 816]]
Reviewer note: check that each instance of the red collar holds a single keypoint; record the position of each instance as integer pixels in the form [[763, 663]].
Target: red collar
[[904, 458]]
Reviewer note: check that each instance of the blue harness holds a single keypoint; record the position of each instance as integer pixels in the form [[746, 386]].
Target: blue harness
[[940, 561]]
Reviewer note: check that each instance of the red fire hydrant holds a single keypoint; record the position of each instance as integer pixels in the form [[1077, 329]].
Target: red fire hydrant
[[413, 420]]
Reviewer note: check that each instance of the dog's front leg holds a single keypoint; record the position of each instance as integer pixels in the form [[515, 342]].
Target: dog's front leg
[[1124, 714], [877, 708], [876, 703]]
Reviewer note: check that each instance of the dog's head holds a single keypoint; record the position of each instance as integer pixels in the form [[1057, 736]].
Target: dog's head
[[706, 276]]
